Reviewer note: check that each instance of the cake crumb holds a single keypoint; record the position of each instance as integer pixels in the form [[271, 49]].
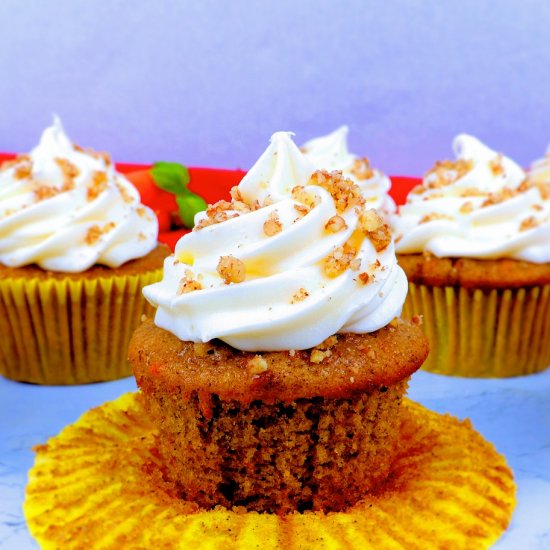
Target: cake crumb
[[257, 365], [417, 320], [466, 207], [97, 184], [364, 278], [318, 356], [361, 169]]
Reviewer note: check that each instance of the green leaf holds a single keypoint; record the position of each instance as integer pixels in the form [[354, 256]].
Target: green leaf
[[189, 204], [170, 176]]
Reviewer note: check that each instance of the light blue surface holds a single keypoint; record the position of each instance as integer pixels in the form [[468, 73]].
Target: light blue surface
[[514, 414]]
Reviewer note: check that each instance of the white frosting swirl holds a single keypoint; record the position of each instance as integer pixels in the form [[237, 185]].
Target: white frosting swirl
[[331, 152], [287, 300], [477, 207], [540, 169], [66, 209]]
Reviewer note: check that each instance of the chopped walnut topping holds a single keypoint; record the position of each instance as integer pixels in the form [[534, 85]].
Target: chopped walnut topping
[[141, 212], [340, 259], [23, 171], [95, 232], [222, 211], [537, 207], [496, 165], [299, 296], [335, 224], [142, 236], [472, 192], [343, 191], [435, 216], [188, 284], [236, 194], [374, 227], [418, 190], [69, 171], [361, 169], [44, 191], [305, 197], [231, 269], [272, 225], [301, 209], [364, 278], [268, 201], [466, 207], [318, 356], [496, 198], [124, 193], [529, 223], [544, 190], [257, 365], [97, 185], [433, 196], [446, 172]]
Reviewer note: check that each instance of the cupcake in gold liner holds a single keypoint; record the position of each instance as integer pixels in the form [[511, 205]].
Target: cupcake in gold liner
[[474, 240], [76, 248], [92, 486], [276, 367]]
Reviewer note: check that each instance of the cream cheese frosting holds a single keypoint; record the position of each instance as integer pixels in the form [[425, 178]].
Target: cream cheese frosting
[[66, 209], [331, 152], [295, 257], [540, 169], [479, 206]]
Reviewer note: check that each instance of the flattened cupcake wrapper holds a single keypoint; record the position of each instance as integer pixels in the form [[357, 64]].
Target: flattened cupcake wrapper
[[70, 331], [92, 487], [483, 333]]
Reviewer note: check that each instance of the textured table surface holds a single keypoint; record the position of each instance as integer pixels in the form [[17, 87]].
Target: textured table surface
[[514, 414]]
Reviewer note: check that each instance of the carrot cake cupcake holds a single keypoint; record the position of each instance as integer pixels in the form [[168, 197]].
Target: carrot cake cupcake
[[276, 365], [76, 247], [331, 152], [474, 240]]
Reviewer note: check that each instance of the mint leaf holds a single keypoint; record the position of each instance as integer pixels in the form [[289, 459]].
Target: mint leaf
[[189, 204], [170, 176]]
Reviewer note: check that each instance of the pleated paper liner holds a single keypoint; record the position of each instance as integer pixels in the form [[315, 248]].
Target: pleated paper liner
[[493, 333], [90, 488], [65, 331]]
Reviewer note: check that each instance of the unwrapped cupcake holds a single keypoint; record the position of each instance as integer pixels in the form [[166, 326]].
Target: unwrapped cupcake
[[276, 365], [331, 153], [76, 248], [474, 241]]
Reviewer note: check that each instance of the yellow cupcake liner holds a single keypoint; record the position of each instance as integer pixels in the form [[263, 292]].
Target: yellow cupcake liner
[[492, 333], [91, 487], [65, 331]]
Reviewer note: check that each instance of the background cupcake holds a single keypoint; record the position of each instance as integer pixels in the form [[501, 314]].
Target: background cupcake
[[76, 247], [276, 367], [331, 152], [474, 240]]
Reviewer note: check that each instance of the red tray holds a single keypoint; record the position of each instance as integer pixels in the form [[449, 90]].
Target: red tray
[[214, 184]]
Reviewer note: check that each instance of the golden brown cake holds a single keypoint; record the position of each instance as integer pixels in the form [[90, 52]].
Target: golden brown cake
[[473, 241], [76, 248], [277, 431]]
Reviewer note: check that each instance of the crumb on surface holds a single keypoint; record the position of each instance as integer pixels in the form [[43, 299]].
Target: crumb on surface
[[95, 232]]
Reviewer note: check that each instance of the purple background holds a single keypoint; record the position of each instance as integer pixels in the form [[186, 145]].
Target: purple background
[[207, 82]]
